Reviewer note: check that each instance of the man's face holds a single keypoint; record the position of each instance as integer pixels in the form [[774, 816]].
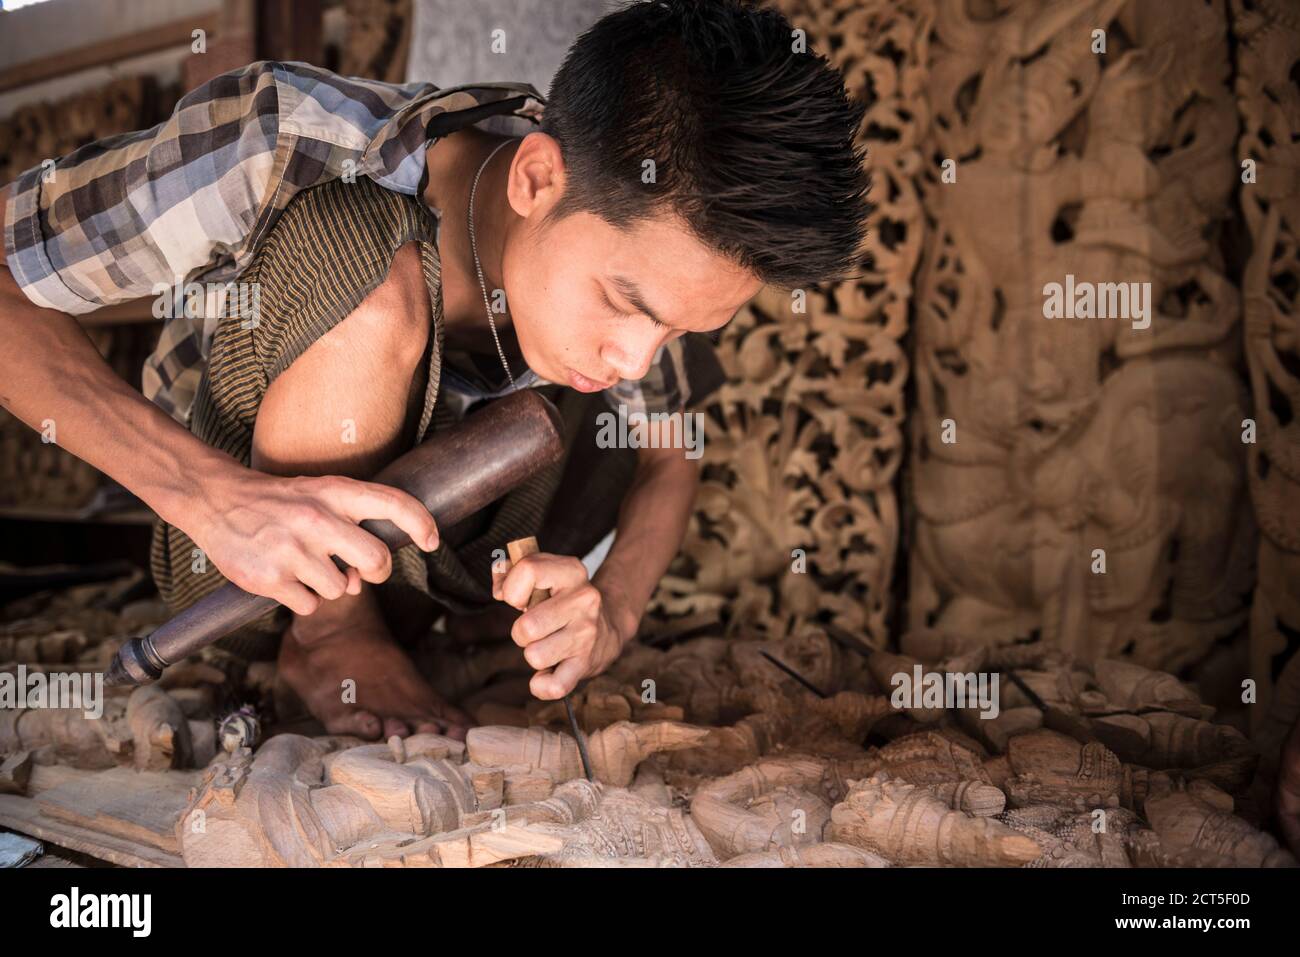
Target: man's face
[[587, 299]]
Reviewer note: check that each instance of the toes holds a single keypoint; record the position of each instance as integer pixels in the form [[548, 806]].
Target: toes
[[363, 724], [429, 727], [396, 726], [456, 731], [457, 722]]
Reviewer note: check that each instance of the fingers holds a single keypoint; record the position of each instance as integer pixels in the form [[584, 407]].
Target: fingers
[[553, 685], [549, 617], [295, 596], [565, 643], [362, 551], [322, 577], [558, 573], [360, 501]]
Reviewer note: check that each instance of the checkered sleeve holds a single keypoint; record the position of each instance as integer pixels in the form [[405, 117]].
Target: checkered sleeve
[[115, 218], [685, 373]]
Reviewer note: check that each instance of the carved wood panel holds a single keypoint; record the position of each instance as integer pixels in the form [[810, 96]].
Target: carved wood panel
[[1080, 479]]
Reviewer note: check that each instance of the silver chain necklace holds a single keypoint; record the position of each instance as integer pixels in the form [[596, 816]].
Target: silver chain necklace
[[473, 245]]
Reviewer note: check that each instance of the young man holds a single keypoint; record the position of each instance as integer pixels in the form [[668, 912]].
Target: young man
[[687, 154]]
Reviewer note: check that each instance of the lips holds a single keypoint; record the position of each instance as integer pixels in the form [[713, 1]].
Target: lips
[[584, 384]]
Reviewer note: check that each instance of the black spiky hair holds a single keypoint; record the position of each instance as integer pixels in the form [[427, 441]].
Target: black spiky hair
[[752, 139]]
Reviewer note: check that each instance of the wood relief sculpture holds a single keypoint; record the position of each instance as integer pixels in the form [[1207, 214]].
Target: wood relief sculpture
[[1166, 740], [40, 131], [1039, 441], [1268, 35], [1128, 687], [827, 854], [946, 769], [765, 807]]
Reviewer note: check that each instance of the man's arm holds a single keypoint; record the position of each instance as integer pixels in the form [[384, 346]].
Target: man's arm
[[651, 525], [266, 534]]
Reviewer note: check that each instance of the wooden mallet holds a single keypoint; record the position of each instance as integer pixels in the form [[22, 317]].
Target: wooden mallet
[[454, 473]]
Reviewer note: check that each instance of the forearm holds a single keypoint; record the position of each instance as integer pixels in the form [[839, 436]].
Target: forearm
[[50, 372], [651, 525]]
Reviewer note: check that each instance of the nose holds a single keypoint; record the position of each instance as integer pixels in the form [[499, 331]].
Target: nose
[[632, 360]]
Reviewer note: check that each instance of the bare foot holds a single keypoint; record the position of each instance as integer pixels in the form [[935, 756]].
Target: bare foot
[[347, 639]]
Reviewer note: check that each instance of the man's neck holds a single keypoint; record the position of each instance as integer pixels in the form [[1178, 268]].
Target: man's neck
[[453, 163]]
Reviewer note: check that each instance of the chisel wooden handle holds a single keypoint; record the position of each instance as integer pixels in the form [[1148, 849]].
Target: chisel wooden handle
[[455, 472], [520, 548]]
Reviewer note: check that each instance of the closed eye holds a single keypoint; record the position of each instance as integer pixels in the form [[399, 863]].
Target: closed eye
[[609, 304]]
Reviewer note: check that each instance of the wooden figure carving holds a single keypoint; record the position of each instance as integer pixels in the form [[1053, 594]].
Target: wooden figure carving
[[767, 806], [159, 730], [627, 830], [1130, 687], [950, 772], [1161, 739], [907, 825], [413, 803], [1051, 768], [146, 729]]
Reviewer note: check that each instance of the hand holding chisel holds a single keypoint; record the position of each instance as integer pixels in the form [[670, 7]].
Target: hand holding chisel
[[517, 550]]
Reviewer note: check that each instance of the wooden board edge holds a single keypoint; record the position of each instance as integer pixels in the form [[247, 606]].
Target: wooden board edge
[[23, 815]]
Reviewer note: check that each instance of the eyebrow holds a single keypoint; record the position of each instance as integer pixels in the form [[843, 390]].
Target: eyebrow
[[632, 293]]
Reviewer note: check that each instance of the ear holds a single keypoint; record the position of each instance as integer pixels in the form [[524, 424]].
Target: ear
[[536, 179]]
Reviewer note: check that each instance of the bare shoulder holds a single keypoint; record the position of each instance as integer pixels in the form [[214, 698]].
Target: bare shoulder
[[397, 315]]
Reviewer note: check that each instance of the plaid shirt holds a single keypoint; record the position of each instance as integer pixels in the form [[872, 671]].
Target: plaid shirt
[[188, 201]]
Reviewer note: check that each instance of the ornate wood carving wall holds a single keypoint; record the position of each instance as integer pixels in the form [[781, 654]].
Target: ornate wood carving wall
[[1268, 35]]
